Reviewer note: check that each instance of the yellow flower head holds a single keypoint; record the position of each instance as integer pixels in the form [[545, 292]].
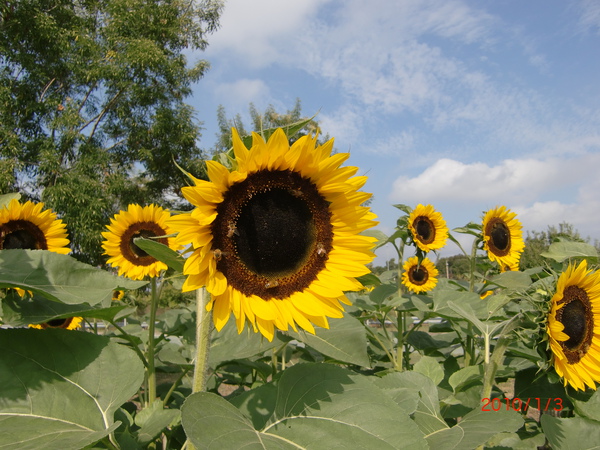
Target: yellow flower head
[[503, 238], [277, 240], [419, 277], [574, 327], [29, 226], [70, 323], [428, 228], [147, 222]]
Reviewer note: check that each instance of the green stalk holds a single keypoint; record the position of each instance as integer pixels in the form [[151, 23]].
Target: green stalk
[[151, 328], [400, 319], [204, 328], [490, 368]]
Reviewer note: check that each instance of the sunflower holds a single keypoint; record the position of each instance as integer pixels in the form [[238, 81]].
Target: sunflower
[[148, 222], [428, 228], [118, 295], [29, 226], [419, 277], [70, 323], [503, 237], [276, 240], [574, 326]]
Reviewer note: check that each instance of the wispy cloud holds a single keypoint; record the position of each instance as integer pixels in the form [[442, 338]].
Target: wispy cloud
[[590, 15]]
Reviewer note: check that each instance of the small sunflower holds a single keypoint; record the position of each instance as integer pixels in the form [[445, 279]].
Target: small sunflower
[[147, 222], [118, 295], [503, 237], [428, 228], [574, 326], [70, 323], [419, 277], [277, 240], [28, 226]]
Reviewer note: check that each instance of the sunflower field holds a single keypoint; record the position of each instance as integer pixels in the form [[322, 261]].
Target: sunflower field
[[292, 341]]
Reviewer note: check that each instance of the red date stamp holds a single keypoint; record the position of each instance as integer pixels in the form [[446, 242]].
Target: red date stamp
[[522, 405]]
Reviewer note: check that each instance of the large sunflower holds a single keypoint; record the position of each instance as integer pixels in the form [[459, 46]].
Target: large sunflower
[[276, 240], [29, 226], [428, 228], [70, 323], [419, 277], [147, 222], [503, 237], [574, 326]]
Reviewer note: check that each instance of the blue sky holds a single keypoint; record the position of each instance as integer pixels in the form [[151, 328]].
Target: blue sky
[[462, 104]]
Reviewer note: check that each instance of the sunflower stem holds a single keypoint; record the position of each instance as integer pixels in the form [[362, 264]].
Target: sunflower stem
[[151, 330], [400, 319], [203, 332]]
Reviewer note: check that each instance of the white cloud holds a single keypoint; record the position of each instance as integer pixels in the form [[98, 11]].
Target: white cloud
[[240, 93], [590, 14]]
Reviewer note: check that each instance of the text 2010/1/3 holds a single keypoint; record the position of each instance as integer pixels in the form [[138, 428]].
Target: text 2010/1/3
[[517, 404]]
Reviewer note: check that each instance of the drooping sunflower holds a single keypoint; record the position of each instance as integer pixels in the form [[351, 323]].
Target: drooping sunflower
[[147, 222], [276, 240], [70, 323], [503, 237], [419, 277], [573, 326], [29, 226], [428, 228]]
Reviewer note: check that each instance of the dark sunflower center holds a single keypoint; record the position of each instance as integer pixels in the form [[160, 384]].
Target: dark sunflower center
[[272, 234], [22, 234], [275, 233], [425, 229], [577, 319], [132, 252], [58, 323], [418, 275], [499, 242]]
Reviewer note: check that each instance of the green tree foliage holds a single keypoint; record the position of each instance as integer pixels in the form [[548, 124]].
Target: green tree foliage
[[92, 105], [262, 121], [455, 267]]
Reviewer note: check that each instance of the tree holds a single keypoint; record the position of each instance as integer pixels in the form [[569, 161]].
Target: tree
[[92, 105], [263, 121]]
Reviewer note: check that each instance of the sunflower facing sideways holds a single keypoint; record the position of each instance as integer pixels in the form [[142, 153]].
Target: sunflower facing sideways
[[277, 240], [147, 222], [503, 238], [573, 326], [419, 277], [28, 226], [428, 228]]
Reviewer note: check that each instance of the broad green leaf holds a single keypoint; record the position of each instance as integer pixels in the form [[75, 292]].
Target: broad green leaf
[[394, 386], [60, 389], [431, 368], [560, 251], [19, 311], [161, 252], [589, 408], [475, 429], [228, 345], [345, 340], [153, 419], [442, 298], [381, 292], [575, 433], [381, 237], [211, 422], [315, 406], [463, 378], [513, 280], [515, 442], [258, 404], [427, 415], [60, 278]]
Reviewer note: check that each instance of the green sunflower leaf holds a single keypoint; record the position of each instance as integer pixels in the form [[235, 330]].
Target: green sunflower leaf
[[60, 389], [560, 251], [161, 252], [345, 340], [19, 311], [573, 433], [60, 278], [315, 406], [5, 199]]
